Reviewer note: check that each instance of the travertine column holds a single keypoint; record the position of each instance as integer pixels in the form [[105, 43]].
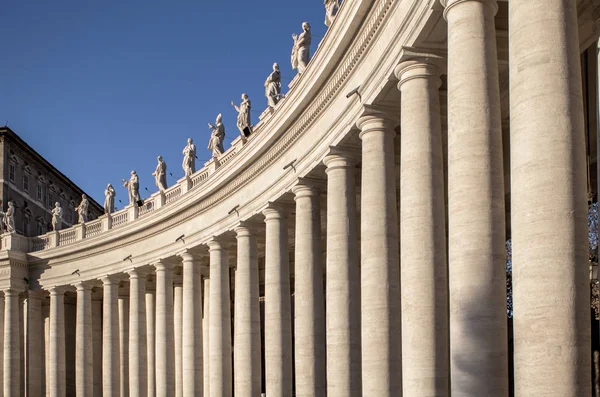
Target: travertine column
[[34, 352], [343, 278], [138, 370], [57, 374], [423, 269], [246, 338], [476, 227], [84, 380], [309, 303], [2, 344], [278, 316], [380, 278], [205, 336], [192, 334], [151, 341], [548, 201], [97, 340], [178, 333], [111, 368], [165, 343], [220, 321], [124, 340]]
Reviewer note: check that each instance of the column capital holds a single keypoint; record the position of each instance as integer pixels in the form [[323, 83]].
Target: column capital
[[111, 279], [340, 157], [218, 243], [188, 256], [84, 286], [137, 273], [162, 266], [419, 63], [450, 4], [377, 118], [308, 187], [275, 210], [247, 228], [55, 290]]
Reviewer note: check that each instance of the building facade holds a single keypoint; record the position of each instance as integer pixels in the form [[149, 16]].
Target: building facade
[[377, 196], [34, 185]]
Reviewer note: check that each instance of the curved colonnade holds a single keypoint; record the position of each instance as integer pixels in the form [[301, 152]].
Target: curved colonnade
[[330, 254]]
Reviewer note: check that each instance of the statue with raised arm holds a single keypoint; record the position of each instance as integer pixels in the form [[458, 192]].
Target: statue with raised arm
[[133, 187], [189, 158], [82, 209], [9, 217], [160, 174], [216, 137], [331, 10], [243, 119], [56, 216], [301, 49], [273, 86], [109, 199]]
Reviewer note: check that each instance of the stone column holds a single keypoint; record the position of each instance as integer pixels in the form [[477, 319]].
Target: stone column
[[177, 321], [111, 368], [309, 303], [205, 336], [278, 320], [477, 277], [151, 341], [138, 370], [57, 374], [84, 380], [34, 353], [192, 334], [423, 270], [343, 278], [2, 344], [246, 338], [380, 278], [548, 201], [97, 340], [124, 340], [220, 321], [165, 342]]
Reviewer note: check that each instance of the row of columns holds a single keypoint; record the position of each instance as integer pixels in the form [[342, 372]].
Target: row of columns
[[412, 320]]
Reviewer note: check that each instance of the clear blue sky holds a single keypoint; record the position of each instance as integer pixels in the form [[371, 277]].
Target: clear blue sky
[[101, 88]]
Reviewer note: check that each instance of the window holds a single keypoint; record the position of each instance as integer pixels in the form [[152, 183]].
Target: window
[[26, 182], [40, 228], [11, 172], [39, 192], [49, 203], [26, 229]]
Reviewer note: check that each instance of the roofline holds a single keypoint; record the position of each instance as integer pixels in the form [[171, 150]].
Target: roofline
[[6, 131]]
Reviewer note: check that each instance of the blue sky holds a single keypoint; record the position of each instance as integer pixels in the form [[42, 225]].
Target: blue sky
[[101, 88]]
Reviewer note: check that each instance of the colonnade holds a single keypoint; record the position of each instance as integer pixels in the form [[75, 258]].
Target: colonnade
[[411, 302]]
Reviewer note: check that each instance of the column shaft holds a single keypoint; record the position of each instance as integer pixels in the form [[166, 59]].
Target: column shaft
[[97, 341], [380, 278], [193, 376], [83, 342], [423, 270], [165, 342], [548, 201], [477, 278], [57, 375], [151, 341], [220, 322], [138, 370], [124, 342], [111, 368], [309, 303], [343, 280], [246, 339], [177, 320], [278, 319], [205, 336], [34, 345]]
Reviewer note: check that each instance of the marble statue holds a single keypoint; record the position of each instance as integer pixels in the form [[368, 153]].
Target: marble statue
[[273, 86], [160, 174], [189, 158], [133, 187], [56, 216], [82, 209], [109, 199], [217, 136], [9, 217], [301, 49], [243, 119], [331, 10]]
